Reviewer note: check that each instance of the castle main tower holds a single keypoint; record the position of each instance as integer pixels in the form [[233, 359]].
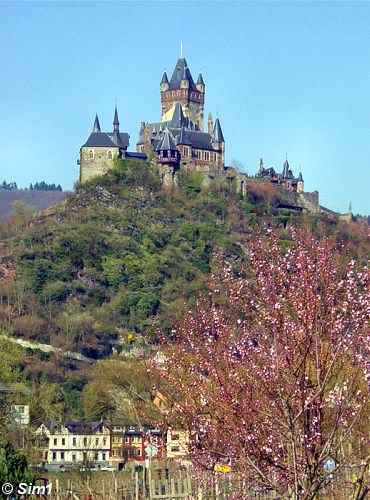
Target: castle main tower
[[182, 89]]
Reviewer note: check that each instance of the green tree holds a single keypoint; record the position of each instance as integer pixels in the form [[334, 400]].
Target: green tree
[[13, 467], [22, 214]]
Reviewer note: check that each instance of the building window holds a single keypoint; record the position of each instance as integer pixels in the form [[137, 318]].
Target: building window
[[54, 455], [62, 455], [186, 151], [138, 452], [175, 448], [175, 437], [198, 155], [103, 455], [74, 441], [109, 155], [104, 441], [91, 154], [73, 458], [127, 439], [21, 409], [63, 442], [55, 441], [85, 441], [206, 155], [97, 441], [96, 456]]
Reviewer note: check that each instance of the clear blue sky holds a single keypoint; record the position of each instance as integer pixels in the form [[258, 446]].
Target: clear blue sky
[[284, 78]]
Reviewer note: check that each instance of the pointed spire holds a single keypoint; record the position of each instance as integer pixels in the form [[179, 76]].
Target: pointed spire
[[164, 78], [200, 80], [96, 127], [116, 121], [350, 208], [286, 168], [217, 132], [300, 177], [178, 116]]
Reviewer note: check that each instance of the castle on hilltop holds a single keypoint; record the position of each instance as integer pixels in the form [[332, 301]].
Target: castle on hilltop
[[179, 141]]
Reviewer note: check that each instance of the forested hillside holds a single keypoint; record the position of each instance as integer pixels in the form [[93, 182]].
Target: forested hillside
[[39, 199], [121, 253]]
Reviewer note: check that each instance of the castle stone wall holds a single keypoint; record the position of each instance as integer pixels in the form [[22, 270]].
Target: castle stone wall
[[309, 201], [99, 165]]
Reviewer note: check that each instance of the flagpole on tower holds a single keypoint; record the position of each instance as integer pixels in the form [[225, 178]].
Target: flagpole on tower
[[181, 49]]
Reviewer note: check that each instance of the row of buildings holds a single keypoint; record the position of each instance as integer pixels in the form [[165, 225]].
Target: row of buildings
[[103, 444]]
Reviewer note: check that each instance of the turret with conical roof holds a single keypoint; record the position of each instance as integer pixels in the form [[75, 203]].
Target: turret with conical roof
[[166, 150], [200, 83], [164, 82], [218, 136]]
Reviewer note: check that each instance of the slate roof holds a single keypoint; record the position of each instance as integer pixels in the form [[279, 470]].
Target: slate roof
[[136, 156], [178, 116], [99, 139], [106, 140], [181, 72], [167, 143], [164, 78], [195, 138]]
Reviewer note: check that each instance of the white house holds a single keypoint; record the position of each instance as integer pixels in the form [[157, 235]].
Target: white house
[[75, 443]]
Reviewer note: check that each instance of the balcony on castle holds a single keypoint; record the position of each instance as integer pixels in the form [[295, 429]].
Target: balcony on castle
[[168, 157]]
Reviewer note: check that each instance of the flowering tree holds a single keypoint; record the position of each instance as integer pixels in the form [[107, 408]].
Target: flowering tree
[[268, 371]]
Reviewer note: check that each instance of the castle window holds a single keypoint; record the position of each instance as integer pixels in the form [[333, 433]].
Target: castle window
[[109, 155], [186, 151], [206, 156], [198, 155], [91, 154]]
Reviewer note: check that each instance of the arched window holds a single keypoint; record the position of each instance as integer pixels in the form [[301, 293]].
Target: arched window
[[91, 154], [109, 155]]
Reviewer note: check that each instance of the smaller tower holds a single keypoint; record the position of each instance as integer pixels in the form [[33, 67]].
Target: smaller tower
[[300, 183], [96, 127], [200, 84], [350, 208], [210, 124], [218, 142], [164, 82]]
